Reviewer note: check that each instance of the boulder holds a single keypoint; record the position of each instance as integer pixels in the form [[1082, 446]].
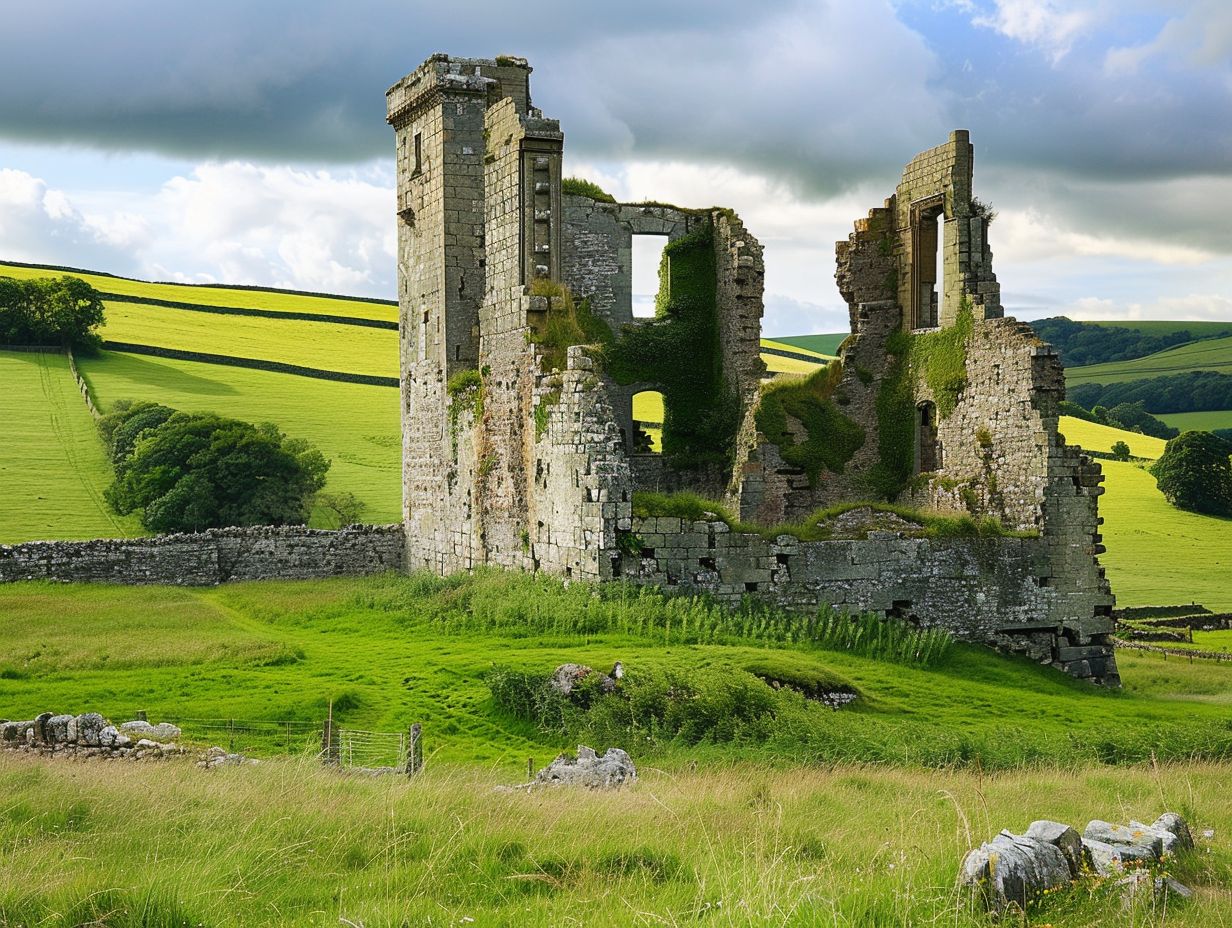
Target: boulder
[[611, 771], [1110, 859], [1066, 840], [89, 726], [1013, 869], [163, 731], [1174, 825], [1134, 834], [566, 677], [56, 729], [40, 727]]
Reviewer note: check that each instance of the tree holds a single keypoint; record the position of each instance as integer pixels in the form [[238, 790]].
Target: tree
[[1195, 473], [127, 422], [1120, 451], [61, 311], [199, 471], [345, 507]]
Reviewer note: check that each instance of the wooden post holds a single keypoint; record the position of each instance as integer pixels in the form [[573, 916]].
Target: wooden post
[[329, 738], [142, 715], [414, 750], [530, 769]]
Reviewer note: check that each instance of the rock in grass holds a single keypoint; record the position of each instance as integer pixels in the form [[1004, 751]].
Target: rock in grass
[[163, 731], [611, 771], [1135, 834], [89, 727], [566, 678], [1172, 824], [1013, 869], [1111, 859], [1066, 840]]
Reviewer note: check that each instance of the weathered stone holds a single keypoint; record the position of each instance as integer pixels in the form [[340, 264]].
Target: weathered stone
[[1109, 859], [1134, 834], [1013, 869], [1066, 839], [567, 677], [163, 731], [611, 771], [89, 727], [1170, 823]]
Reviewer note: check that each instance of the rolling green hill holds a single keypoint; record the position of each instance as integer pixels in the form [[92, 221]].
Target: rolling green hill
[[1199, 421], [53, 468], [1206, 355]]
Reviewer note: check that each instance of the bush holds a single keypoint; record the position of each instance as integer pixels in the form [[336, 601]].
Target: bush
[[576, 186], [1195, 473], [197, 471], [62, 311], [1120, 451], [832, 437]]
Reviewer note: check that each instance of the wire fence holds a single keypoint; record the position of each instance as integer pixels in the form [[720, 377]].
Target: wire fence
[[256, 736], [371, 749]]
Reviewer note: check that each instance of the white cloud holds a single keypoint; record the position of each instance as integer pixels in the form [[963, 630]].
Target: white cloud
[[1191, 307], [1053, 25], [38, 223], [1200, 37]]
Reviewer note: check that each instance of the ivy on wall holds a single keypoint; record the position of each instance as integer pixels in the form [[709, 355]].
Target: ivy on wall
[[939, 361], [832, 438], [678, 352]]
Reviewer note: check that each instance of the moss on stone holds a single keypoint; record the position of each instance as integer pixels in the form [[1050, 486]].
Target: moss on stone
[[832, 438], [579, 187], [678, 353], [564, 325]]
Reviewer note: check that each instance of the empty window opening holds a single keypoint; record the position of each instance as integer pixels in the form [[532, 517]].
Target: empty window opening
[[647, 255], [928, 446], [928, 266], [648, 422], [418, 155]]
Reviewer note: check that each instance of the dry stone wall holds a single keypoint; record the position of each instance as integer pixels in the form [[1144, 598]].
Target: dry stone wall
[[209, 558]]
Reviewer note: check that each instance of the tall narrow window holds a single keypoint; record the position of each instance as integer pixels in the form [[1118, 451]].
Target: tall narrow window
[[927, 444], [418, 154], [647, 256]]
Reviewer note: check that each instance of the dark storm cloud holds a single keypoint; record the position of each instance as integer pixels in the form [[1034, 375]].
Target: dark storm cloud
[[821, 93]]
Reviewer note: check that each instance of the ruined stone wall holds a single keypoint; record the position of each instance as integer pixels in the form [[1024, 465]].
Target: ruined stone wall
[[211, 557], [986, 590]]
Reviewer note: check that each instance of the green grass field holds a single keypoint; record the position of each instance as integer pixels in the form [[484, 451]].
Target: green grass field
[[1208, 355], [1095, 437], [1200, 421], [826, 344], [355, 426], [52, 465], [323, 345], [218, 296], [1167, 326], [831, 821]]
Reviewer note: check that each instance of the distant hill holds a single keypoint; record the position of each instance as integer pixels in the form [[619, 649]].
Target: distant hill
[[1082, 343]]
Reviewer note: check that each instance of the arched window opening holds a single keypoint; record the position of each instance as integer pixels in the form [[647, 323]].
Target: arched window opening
[[648, 422], [927, 443]]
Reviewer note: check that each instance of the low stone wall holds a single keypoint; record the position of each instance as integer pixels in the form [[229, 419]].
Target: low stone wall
[[90, 735], [992, 590], [211, 557]]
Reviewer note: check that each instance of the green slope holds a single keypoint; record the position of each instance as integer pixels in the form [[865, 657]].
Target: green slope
[[826, 344], [355, 426], [1167, 326], [1199, 421], [1207, 355], [53, 467]]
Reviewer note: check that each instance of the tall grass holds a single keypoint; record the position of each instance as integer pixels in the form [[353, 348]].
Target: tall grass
[[517, 605], [289, 844]]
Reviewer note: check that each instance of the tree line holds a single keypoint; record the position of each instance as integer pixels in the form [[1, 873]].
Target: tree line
[[54, 311]]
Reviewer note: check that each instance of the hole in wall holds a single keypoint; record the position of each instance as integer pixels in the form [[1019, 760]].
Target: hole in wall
[[648, 422], [647, 254]]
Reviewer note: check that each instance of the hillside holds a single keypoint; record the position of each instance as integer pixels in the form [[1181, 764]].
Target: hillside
[[52, 465], [1207, 355]]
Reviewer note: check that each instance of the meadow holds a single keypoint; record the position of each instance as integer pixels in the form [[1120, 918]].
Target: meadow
[[53, 467], [1201, 421], [851, 818], [1207, 355], [323, 345]]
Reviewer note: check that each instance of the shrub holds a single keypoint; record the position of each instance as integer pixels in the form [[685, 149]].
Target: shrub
[[1195, 473], [1120, 451], [578, 187], [564, 325], [832, 437], [199, 471]]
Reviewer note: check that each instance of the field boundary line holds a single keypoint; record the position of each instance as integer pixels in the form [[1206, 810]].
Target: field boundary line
[[1190, 653], [289, 315], [258, 364]]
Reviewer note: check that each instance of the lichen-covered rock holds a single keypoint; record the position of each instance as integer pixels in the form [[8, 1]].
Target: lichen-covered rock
[[89, 726], [1135, 834], [1110, 859], [611, 771], [1013, 869], [163, 731], [1173, 825], [56, 729], [1065, 839], [566, 678]]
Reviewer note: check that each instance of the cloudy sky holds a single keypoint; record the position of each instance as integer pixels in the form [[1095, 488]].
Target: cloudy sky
[[245, 142]]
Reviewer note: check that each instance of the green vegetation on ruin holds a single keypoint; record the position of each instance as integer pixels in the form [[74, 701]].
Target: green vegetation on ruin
[[565, 323], [678, 353], [831, 438], [580, 187]]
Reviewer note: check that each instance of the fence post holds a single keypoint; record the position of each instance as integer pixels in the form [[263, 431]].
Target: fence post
[[329, 738], [530, 769], [142, 715], [414, 750]]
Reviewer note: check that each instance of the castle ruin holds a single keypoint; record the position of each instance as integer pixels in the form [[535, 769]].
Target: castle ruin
[[521, 355]]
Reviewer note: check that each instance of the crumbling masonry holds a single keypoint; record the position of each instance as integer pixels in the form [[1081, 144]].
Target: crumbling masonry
[[520, 448]]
